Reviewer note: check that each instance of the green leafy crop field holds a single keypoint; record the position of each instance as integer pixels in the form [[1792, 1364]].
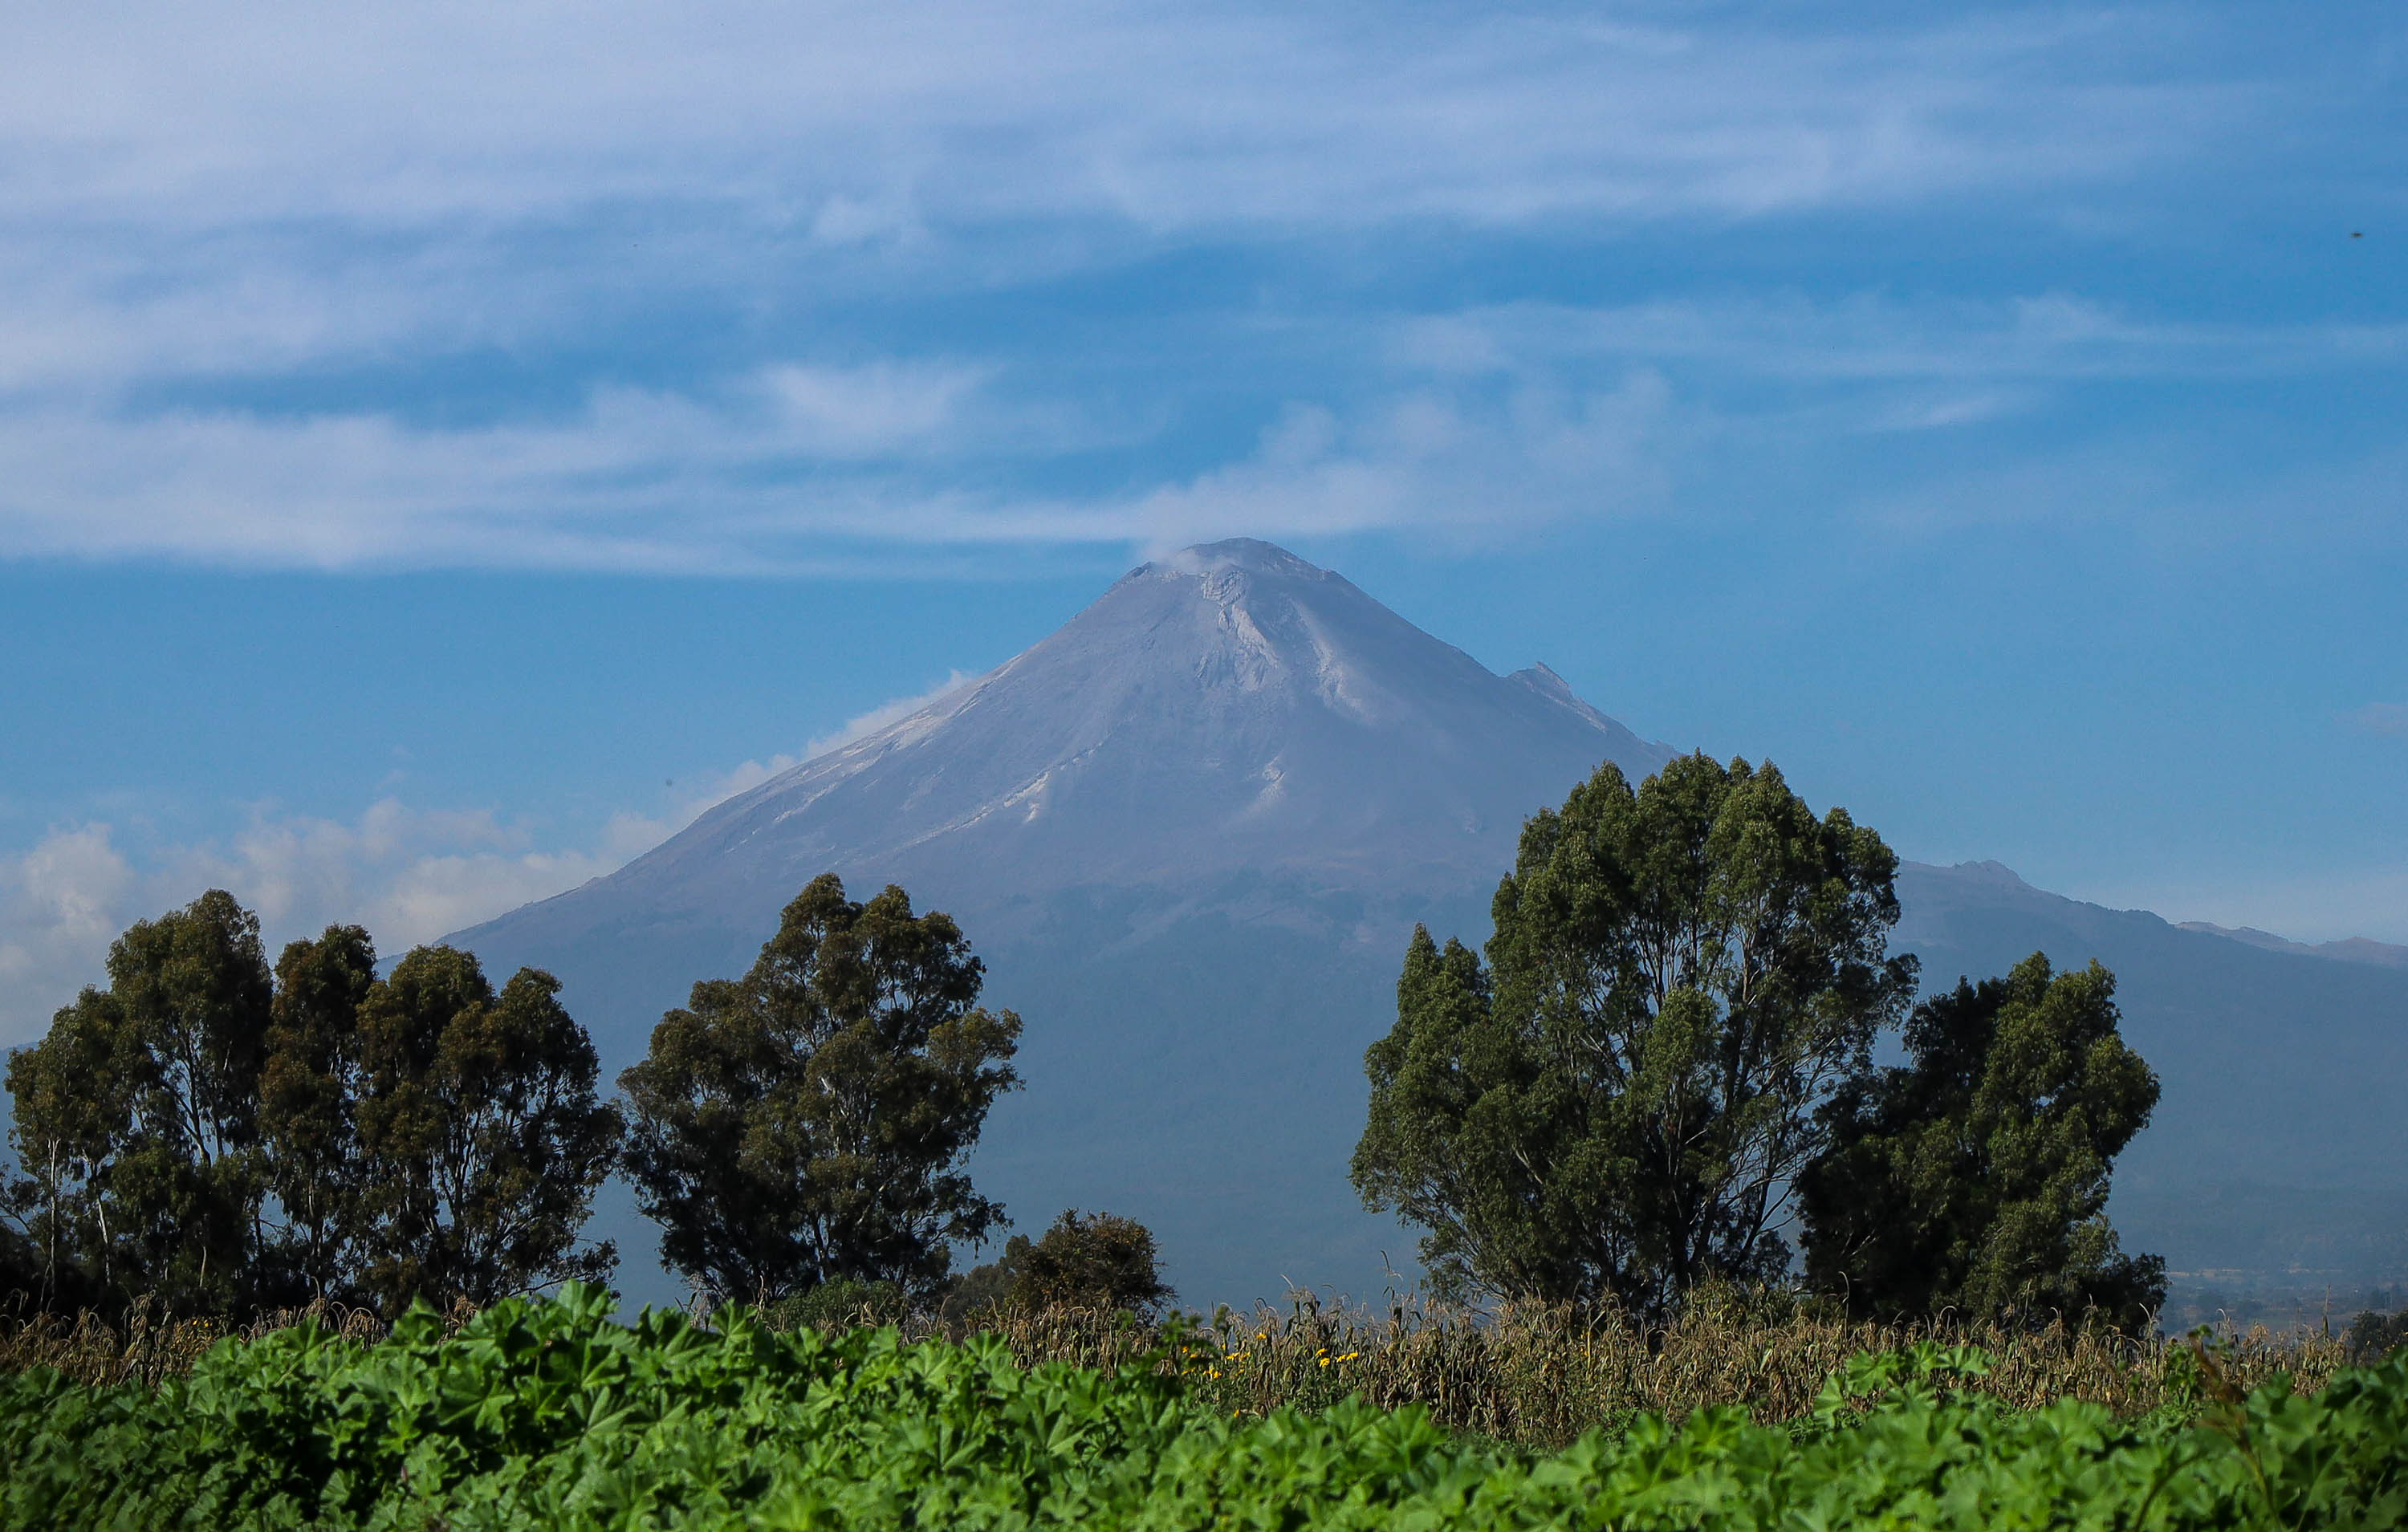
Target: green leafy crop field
[[548, 1415]]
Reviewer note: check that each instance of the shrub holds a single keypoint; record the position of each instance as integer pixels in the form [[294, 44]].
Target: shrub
[[1100, 1261], [843, 1304], [2372, 1336]]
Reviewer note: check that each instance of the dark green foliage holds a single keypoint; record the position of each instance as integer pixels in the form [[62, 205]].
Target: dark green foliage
[[1093, 1261], [808, 1123], [225, 1140], [1611, 1110], [480, 1140], [1084, 1261], [309, 1099], [984, 1292], [546, 1416], [136, 1127], [841, 1304], [1975, 1177]]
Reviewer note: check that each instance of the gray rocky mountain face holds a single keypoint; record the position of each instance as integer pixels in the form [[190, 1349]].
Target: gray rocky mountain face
[[1230, 710], [1190, 833]]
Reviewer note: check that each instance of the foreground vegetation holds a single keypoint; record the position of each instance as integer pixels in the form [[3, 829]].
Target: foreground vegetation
[[1529, 1375], [545, 1415]]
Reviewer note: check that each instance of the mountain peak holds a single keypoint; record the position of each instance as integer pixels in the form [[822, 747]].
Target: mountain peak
[[1251, 555], [1228, 710]]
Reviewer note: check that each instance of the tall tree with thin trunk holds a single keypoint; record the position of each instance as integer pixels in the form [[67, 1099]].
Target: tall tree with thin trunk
[[308, 1092], [137, 1124]]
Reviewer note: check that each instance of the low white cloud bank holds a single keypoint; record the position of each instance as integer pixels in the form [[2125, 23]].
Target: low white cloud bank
[[409, 875]]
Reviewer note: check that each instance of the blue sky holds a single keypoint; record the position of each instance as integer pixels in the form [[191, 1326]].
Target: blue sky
[[438, 453]]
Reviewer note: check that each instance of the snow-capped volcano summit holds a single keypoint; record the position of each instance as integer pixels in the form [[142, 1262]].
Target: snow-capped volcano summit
[[1230, 708]]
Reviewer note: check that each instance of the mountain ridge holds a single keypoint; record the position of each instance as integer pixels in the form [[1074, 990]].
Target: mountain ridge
[[2347, 950]]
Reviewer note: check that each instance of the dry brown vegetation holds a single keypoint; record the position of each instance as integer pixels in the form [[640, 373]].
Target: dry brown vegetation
[[1542, 1376], [148, 1344], [1534, 1376]]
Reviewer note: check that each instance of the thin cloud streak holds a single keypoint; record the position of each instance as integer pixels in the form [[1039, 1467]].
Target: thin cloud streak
[[664, 485], [844, 123], [1492, 418], [2050, 338]]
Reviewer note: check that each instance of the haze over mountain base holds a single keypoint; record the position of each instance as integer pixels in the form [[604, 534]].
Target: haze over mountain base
[[1190, 833]]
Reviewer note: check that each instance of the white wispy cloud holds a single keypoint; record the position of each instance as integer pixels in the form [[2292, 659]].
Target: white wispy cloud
[[1497, 416], [867, 723], [844, 119], [270, 197], [270, 186], [409, 875]]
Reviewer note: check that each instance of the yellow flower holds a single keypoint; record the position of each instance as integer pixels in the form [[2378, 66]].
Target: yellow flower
[[1324, 1361]]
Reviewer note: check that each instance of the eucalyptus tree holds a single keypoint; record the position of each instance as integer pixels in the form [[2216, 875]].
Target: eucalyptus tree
[[480, 1141], [309, 1105], [808, 1123], [1974, 1177], [135, 1120], [1614, 1108]]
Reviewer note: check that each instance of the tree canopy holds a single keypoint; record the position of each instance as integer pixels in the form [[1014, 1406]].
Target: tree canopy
[[479, 1134], [1613, 1107], [1975, 1176], [807, 1121], [136, 1125], [225, 1139], [308, 1108]]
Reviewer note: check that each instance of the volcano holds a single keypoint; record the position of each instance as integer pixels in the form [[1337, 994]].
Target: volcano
[[1229, 713], [1190, 833]]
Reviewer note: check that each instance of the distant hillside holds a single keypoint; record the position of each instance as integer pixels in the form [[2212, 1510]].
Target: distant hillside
[[2348, 950], [2278, 1155]]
